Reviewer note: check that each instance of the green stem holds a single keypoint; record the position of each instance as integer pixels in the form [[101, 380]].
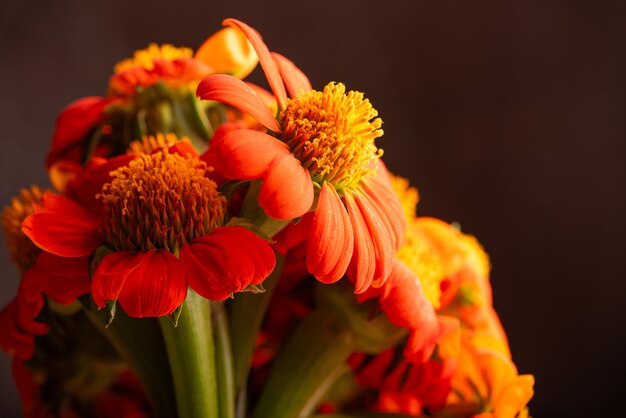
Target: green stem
[[140, 343], [192, 358], [313, 359], [246, 313], [224, 363], [257, 216]]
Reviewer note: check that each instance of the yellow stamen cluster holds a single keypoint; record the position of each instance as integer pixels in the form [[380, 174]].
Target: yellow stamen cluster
[[151, 143], [160, 201], [425, 263], [409, 197], [332, 133], [144, 58], [416, 253], [21, 249]]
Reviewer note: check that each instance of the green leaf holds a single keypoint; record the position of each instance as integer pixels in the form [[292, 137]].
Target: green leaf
[[111, 307]]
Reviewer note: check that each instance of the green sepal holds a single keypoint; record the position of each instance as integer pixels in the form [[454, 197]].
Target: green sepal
[[373, 332], [111, 307], [246, 223], [254, 289], [174, 316]]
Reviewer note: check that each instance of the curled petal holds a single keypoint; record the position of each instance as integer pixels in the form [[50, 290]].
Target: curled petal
[[63, 227], [230, 90], [294, 78], [388, 206], [268, 64], [156, 287], [244, 154], [110, 275], [228, 51], [332, 240], [226, 261], [287, 189]]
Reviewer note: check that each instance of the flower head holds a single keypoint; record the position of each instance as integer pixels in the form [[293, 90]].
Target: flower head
[[161, 223], [322, 147]]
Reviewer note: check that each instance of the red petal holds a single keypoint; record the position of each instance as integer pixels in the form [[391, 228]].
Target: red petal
[[230, 90], [267, 63], [63, 227], [244, 154], [183, 148], [74, 123], [226, 261], [294, 78], [68, 278], [363, 264], [156, 287], [89, 182], [111, 273], [332, 240], [287, 190], [293, 235]]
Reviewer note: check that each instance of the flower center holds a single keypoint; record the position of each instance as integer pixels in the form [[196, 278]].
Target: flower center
[[160, 201], [21, 249], [332, 133], [144, 58]]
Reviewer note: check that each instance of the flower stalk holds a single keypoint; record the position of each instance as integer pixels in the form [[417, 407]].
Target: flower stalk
[[191, 352]]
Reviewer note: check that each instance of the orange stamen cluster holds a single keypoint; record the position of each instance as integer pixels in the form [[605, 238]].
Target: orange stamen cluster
[[332, 133], [21, 249], [160, 201], [144, 58], [151, 143]]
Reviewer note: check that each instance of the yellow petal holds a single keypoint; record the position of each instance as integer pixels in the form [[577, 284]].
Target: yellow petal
[[228, 52]]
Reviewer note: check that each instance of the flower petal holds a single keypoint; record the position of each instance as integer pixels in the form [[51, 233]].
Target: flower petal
[[74, 123], [363, 264], [110, 275], [268, 64], [156, 287], [63, 227], [294, 78], [244, 154], [68, 278], [226, 261], [228, 51], [287, 189], [332, 240], [230, 90]]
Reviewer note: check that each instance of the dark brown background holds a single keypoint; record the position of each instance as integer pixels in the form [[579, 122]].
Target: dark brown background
[[508, 115]]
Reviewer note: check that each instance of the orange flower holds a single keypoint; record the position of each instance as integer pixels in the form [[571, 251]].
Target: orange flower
[[162, 221], [324, 146]]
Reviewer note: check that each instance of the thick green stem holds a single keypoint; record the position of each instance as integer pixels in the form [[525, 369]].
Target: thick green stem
[[313, 359], [140, 343], [246, 313], [192, 358], [224, 363]]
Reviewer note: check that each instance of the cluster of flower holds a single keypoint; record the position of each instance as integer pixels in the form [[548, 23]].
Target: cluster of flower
[[186, 184]]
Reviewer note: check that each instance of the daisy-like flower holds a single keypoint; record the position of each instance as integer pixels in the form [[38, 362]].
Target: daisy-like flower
[[162, 222], [321, 145], [226, 51]]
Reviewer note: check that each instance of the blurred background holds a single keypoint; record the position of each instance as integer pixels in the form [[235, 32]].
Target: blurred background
[[509, 116]]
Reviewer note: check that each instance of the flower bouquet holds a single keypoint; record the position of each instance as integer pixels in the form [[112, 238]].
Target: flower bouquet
[[210, 248]]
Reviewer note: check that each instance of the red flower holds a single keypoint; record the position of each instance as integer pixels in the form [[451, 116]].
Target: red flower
[[323, 145], [162, 219]]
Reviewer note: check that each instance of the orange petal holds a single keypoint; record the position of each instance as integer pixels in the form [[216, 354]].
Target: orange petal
[[363, 264], [244, 154], [332, 240], [230, 90], [228, 51], [294, 78], [68, 278], [287, 190], [111, 273], [268, 64]]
